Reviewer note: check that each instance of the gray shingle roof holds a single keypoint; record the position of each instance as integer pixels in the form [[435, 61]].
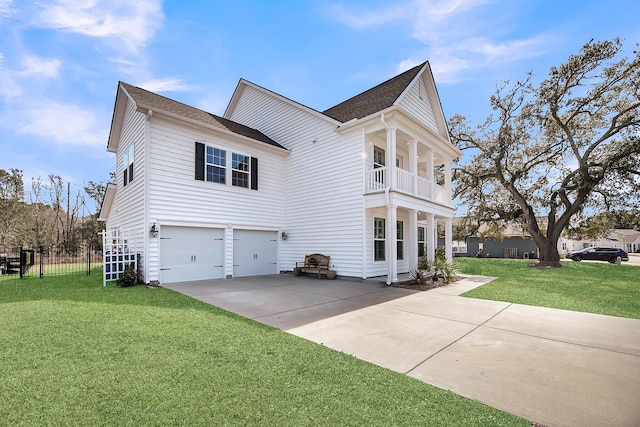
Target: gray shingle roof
[[153, 101], [375, 99]]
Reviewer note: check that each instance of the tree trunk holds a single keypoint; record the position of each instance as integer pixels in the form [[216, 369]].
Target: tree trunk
[[549, 256]]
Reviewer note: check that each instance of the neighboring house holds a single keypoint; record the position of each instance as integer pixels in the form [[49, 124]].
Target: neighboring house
[[250, 193], [513, 241], [628, 240]]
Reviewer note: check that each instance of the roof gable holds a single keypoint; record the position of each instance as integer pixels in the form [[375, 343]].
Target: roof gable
[[375, 99], [243, 84], [144, 99]]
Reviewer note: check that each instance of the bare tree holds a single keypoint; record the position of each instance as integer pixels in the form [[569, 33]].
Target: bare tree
[[11, 207]]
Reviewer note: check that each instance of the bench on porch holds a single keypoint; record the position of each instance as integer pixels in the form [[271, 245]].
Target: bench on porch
[[315, 263]]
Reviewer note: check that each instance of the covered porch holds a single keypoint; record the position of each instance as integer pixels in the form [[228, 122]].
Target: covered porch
[[401, 233]]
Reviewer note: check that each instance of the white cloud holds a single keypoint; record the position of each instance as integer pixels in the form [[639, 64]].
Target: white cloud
[[512, 50], [134, 23], [455, 33], [364, 17], [39, 67], [407, 64], [58, 123], [5, 8], [8, 86], [32, 67], [213, 103], [165, 85]]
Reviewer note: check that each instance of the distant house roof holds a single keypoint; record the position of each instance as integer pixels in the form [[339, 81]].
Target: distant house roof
[[375, 99], [629, 235], [153, 101]]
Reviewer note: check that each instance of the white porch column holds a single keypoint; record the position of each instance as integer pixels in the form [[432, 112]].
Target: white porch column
[[391, 158], [392, 245], [431, 240], [413, 164], [431, 174], [447, 180], [413, 239], [448, 238]]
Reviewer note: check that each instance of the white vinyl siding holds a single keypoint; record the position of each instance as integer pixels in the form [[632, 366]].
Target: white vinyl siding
[[127, 210], [420, 106], [324, 180], [176, 198]]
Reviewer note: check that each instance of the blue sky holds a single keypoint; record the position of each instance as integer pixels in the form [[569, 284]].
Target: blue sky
[[60, 60]]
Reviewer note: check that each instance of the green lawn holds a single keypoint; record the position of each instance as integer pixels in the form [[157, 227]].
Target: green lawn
[[592, 287], [75, 353]]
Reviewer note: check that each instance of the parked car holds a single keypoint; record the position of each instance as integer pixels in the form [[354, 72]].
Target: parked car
[[599, 254]]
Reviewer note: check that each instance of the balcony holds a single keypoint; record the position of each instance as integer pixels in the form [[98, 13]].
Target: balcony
[[407, 183]]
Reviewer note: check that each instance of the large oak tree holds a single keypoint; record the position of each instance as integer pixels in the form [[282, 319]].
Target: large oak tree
[[558, 150]]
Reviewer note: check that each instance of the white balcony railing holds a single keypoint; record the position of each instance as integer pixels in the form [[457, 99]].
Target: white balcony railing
[[404, 181], [441, 195], [424, 188], [376, 180]]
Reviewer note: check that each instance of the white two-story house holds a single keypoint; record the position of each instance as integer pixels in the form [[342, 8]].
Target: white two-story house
[[252, 192]]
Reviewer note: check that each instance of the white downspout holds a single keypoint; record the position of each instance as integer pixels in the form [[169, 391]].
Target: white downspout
[[388, 182]]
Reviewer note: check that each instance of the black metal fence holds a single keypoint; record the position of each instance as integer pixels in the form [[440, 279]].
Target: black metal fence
[[53, 260]]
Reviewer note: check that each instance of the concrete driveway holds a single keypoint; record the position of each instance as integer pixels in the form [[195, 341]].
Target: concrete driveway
[[554, 367]]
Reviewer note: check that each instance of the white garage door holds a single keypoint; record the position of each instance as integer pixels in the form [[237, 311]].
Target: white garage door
[[189, 253], [254, 253]]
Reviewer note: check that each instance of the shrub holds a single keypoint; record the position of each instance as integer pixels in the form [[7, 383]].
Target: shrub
[[445, 270], [424, 264], [129, 277]]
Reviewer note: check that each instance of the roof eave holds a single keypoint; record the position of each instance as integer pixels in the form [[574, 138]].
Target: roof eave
[[346, 126], [145, 109], [107, 202], [117, 119], [411, 83], [357, 123]]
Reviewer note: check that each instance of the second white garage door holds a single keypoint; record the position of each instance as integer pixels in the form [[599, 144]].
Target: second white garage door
[[254, 253], [190, 253]]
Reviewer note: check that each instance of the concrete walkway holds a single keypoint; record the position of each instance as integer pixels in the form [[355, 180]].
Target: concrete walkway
[[554, 367]]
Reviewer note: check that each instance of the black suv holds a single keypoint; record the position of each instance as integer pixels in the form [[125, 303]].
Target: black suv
[[599, 254]]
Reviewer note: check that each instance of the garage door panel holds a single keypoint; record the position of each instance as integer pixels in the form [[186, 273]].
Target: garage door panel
[[254, 253], [188, 253]]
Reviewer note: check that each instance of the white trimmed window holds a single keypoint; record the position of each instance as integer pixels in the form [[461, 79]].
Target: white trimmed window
[[400, 239], [211, 165], [378, 157], [379, 239], [459, 247], [216, 165], [240, 170], [127, 163], [421, 241]]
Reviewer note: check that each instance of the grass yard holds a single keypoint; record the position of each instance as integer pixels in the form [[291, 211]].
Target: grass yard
[[592, 287], [75, 353]]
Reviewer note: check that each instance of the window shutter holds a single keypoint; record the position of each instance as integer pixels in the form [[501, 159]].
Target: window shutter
[[254, 173], [131, 172], [124, 175], [199, 161]]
